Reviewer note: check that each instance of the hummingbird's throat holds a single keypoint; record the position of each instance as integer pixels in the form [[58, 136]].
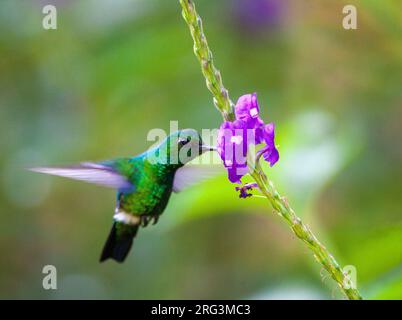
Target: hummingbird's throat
[[124, 217]]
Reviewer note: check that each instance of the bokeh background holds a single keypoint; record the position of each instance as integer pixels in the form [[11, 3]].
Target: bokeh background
[[114, 69]]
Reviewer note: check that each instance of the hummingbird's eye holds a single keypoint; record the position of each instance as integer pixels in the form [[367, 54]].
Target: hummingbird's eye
[[183, 141]]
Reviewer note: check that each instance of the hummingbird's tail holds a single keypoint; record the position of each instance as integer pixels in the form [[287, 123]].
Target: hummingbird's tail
[[119, 242]]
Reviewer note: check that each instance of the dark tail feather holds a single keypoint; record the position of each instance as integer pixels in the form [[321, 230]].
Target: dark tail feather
[[118, 244]]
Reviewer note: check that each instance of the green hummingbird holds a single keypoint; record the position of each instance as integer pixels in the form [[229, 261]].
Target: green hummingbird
[[144, 184]]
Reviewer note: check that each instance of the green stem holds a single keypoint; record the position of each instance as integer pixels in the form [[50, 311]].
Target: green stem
[[303, 232], [279, 203], [204, 55]]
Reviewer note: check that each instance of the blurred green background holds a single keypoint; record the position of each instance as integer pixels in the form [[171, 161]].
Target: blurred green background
[[114, 69]]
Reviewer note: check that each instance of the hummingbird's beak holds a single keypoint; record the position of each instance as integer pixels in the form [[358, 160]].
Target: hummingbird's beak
[[205, 148]]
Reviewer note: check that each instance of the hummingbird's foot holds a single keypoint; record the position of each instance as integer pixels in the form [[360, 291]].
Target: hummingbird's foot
[[156, 218], [145, 220]]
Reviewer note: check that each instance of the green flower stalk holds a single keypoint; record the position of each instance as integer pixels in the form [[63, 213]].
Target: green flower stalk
[[212, 75], [279, 203]]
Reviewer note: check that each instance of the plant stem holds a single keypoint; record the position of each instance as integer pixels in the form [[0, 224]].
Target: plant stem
[[204, 55], [280, 204], [303, 232]]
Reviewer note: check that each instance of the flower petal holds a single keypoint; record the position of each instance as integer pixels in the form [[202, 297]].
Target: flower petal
[[247, 107], [235, 137], [235, 173], [271, 156]]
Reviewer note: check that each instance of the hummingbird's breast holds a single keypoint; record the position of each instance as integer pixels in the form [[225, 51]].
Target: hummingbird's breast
[[151, 195]]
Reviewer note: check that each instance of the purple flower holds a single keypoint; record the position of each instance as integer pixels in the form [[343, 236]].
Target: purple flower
[[233, 149], [235, 137], [244, 190], [270, 153], [248, 111]]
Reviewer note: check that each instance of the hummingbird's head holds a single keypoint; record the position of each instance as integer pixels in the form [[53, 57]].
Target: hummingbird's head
[[189, 145], [183, 146], [178, 149]]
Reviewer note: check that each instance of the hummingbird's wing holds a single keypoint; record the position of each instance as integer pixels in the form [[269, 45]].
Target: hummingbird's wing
[[190, 175], [90, 172]]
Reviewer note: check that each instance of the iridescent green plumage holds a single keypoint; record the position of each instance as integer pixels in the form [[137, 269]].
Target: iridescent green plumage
[[151, 175], [152, 186], [144, 184]]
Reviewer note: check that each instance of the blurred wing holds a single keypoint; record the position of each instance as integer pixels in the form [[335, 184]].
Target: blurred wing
[[89, 172], [192, 174]]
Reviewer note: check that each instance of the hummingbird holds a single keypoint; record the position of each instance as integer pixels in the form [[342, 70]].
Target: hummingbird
[[144, 184]]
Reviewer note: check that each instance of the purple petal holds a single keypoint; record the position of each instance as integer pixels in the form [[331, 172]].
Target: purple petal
[[235, 173], [271, 156], [244, 190], [250, 186], [259, 134], [232, 143], [269, 132], [247, 107], [235, 137]]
